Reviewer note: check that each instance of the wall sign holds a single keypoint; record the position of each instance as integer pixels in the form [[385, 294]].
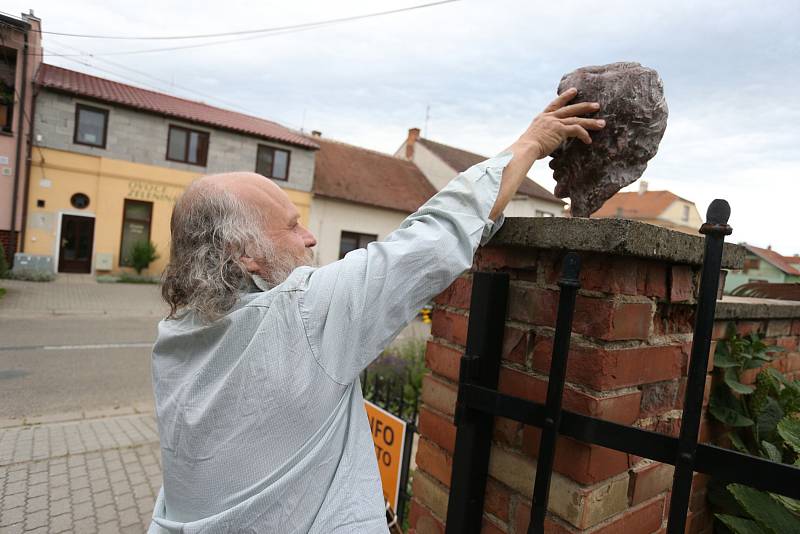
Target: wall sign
[[142, 190], [388, 436]]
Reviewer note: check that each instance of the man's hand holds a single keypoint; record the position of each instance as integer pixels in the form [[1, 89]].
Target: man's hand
[[559, 122]]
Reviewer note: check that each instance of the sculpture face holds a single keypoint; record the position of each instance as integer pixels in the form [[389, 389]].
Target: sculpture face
[[632, 102]]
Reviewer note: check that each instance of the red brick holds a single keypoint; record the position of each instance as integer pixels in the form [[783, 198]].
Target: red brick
[[522, 518], [497, 499], [659, 397], [438, 429], [450, 326], [652, 279], [779, 327], [630, 320], [434, 461], [623, 409], [487, 527], [516, 344], [673, 319], [792, 362], [609, 274], [642, 519], [423, 521], [687, 351], [443, 360], [507, 431], [789, 343], [796, 327], [499, 258], [439, 395], [533, 305], [744, 328], [583, 463], [697, 523], [649, 480], [682, 286], [721, 330], [603, 369], [457, 295]]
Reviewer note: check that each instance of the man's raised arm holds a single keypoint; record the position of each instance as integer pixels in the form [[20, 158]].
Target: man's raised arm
[[353, 308]]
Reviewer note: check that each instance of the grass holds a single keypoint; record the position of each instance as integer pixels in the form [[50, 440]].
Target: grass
[[2, 292], [127, 278]]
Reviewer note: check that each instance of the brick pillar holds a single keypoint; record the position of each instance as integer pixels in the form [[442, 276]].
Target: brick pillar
[[628, 360]]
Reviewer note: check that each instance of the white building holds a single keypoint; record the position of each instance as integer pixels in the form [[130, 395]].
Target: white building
[[360, 195], [440, 163]]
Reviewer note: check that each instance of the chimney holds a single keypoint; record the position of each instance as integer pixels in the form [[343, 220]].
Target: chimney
[[316, 133], [642, 187], [413, 135]]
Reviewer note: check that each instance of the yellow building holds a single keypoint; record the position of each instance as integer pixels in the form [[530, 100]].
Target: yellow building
[[109, 161]]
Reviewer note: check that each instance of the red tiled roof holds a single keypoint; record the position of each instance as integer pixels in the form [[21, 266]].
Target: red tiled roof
[[360, 175], [774, 258], [78, 83], [635, 205], [461, 160]]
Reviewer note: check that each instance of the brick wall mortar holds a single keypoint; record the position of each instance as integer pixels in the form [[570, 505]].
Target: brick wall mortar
[[654, 403]]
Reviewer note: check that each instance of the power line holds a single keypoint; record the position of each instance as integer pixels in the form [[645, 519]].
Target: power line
[[250, 32]]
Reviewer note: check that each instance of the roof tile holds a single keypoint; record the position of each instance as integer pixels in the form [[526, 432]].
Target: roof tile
[[360, 175]]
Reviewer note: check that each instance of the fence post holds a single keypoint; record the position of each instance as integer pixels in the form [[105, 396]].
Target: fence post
[[555, 389], [480, 365], [715, 230]]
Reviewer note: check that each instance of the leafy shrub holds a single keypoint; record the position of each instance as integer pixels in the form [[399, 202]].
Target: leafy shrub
[[142, 254], [394, 379], [128, 278], [3, 262], [763, 421], [30, 275]]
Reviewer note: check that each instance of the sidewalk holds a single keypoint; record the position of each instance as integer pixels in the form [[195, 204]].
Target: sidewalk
[[97, 474], [79, 295]]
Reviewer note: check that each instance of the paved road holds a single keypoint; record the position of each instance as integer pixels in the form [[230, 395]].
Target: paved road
[[73, 363]]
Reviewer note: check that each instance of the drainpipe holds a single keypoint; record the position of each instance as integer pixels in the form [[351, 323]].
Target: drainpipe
[[20, 130], [27, 190]]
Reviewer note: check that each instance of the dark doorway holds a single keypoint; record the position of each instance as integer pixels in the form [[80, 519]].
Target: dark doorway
[[75, 252]]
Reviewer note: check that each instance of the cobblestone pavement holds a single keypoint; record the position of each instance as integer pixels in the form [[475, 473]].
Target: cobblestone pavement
[[91, 475], [79, 295]]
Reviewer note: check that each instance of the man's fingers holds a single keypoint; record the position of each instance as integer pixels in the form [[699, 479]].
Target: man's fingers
[[561, 100], [576, 109], [579, 132], [588, 124]]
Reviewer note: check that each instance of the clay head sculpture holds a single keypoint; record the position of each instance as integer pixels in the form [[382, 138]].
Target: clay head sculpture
[[632, 102]]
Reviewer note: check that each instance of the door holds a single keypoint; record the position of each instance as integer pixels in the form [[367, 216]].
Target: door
[[77, 237]]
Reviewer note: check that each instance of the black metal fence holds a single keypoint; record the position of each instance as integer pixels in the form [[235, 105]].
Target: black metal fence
[[392, 394], [479, 402]]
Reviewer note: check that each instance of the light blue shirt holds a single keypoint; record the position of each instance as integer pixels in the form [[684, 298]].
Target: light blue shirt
[[260, 413]]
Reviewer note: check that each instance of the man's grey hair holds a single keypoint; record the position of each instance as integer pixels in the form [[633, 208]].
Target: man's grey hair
[[211, 230]]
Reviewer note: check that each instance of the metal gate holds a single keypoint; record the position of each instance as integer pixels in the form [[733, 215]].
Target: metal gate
[[479, 402]]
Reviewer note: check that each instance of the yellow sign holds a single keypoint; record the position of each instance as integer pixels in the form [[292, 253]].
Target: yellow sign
[[388, 436], [142, 190]]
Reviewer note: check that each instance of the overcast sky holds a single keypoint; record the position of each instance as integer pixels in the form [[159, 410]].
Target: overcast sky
[[731, 73]]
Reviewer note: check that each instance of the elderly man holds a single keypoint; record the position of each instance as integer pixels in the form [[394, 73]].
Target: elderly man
[[255, 370]]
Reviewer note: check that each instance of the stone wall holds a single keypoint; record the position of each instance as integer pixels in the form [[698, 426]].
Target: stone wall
[[141, 137], [629, 355]]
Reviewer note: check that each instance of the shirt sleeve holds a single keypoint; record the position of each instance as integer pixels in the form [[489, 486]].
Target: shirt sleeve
[[351, 309]]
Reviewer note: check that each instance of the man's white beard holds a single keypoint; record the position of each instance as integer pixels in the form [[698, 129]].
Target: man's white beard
[[278, 268]]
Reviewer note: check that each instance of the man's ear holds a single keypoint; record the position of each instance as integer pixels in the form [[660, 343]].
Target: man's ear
[[250, 264]]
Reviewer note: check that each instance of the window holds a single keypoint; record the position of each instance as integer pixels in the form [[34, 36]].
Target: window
[[135, 227], [90, 126], [752, 264], [187, 146], [6, 106], [351, 241], [272, 162], [686, 213], [540, 213]]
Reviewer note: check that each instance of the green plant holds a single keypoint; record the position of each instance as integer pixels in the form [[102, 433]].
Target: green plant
[[30, 275], [763, 421], [2, 292], [142, 254], [397, 374], [128, 278], [3, 262]]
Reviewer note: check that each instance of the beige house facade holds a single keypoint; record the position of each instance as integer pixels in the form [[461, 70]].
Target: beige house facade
[[661, 208]]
